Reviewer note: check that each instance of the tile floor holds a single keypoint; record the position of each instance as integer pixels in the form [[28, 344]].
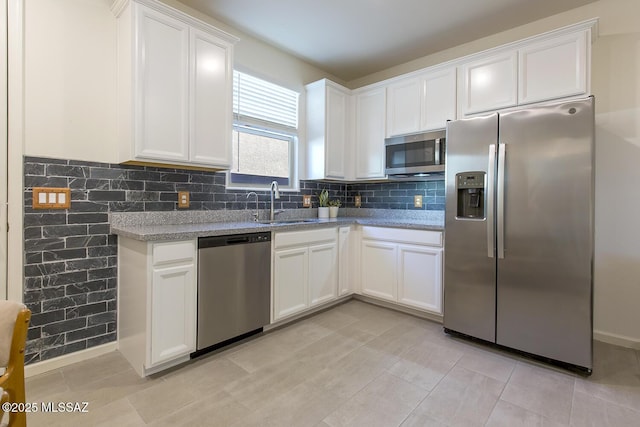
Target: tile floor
[[355, 364]]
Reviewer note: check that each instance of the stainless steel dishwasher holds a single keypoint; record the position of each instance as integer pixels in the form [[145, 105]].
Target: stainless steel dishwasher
[[234, 280]]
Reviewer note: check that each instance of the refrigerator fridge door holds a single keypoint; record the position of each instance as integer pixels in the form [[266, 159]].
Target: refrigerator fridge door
[[544, 281], [470, 263]]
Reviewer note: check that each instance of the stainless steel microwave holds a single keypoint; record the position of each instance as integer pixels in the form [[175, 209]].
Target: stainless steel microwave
[[415, 155]]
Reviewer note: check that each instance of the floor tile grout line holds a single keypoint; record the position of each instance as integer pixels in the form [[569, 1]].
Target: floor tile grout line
[[356, 393], [611, 402]]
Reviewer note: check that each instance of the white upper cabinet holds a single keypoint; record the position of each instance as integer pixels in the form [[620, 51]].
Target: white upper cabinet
[[438, 98], [327, 130], [370, 133], [174, 87], [550, 66], [161, 104], [211, 99], [490, 83], [422, 103], [553, 68], [346, 129], [403, 107]]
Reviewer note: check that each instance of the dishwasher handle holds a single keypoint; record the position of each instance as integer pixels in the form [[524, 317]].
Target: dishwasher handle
[[238, 240]]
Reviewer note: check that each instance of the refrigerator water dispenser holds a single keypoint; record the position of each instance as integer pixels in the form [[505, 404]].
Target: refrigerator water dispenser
[[470, 187]]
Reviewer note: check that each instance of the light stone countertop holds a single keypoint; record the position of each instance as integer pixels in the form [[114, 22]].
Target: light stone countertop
[[156, 226]]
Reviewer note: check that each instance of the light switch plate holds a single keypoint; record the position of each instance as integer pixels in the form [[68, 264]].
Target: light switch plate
[[306, 200], [183, 199], [358, 201], [417, 201], [51, 198]]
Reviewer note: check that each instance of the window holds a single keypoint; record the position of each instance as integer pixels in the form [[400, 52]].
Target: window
[[265, 134]]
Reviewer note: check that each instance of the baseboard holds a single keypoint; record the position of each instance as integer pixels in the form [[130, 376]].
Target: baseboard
[[616, 339], [308, 313], [68, 359]]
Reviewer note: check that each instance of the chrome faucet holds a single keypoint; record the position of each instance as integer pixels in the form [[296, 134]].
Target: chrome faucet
[[275, 193], [255, 215]]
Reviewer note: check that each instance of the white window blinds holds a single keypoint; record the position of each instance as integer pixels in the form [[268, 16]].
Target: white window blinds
[[257, 99]]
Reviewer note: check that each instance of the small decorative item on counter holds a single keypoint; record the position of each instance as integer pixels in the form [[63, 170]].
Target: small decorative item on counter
[[323, 204], [333, 208]]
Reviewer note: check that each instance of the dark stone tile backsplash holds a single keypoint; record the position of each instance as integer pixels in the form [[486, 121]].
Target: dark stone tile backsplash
[[70, 259], [397, 195]]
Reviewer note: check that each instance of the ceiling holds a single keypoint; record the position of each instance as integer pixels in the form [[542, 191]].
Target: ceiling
[[354, 38]]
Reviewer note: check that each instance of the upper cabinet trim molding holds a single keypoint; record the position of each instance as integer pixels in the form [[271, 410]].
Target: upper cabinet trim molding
[[118, 6]]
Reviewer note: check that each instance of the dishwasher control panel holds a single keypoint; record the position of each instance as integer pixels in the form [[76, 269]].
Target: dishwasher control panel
[[233, 239]]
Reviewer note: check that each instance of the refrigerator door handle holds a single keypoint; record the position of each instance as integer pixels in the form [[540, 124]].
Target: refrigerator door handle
[[500, 201], [491, 179]]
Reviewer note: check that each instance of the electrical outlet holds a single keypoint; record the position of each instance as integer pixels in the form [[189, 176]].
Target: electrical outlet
[[306, 200], [417, 201], [358, 201], [183, 199]]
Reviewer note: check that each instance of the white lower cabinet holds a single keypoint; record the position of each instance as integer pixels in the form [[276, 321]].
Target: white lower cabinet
[[305, 270], [323, 269], [290, 272], [156, 303], [402, 266], [379, 269], [172, 306], [420, 277]]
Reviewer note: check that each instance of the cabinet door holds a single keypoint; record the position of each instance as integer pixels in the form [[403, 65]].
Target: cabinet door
[[336, 132], [211, 100], [438, 99], [290, 281], [370, 131], [173, 312], [323, 269], [553, 68], [490, 83], [420, 277], [403, 107], [162, 84], [344, 261], [379, 269]]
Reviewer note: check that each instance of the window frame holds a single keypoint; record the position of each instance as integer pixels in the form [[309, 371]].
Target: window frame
[[264, 127], [294, 182]]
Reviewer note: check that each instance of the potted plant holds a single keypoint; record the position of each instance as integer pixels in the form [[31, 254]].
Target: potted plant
[[333, 208], [323, 204]]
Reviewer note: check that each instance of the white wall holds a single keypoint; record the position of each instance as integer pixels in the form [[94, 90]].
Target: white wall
[[616, 86], [70, 80]]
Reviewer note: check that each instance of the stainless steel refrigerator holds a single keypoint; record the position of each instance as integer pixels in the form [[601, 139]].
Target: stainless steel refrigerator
[[519, 230]]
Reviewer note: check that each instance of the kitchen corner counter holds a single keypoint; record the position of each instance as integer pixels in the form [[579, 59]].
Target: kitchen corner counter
[[157, 226]]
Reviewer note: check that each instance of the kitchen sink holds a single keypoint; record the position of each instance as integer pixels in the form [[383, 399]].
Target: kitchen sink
[[287, 221]]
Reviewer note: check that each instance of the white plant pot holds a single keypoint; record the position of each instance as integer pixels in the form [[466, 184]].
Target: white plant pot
[[323, 212], [333, 211]]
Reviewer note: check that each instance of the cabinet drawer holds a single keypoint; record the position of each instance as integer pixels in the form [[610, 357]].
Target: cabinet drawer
[[403, 235], [170, 252], [306, 237]]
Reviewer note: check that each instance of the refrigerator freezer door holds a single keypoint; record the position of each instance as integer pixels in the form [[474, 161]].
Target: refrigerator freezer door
[[470, 273], [544, 282]]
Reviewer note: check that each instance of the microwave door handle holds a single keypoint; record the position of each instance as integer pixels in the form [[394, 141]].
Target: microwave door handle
[[436, 158]]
